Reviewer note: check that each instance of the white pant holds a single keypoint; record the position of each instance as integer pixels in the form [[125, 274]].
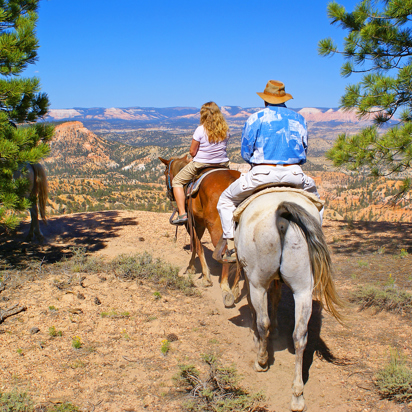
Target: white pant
[[250, 181]]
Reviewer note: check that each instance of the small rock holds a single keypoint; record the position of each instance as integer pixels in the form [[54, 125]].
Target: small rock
[[102, 279], [171, 337], [5, 298], [34, 330], [97, 301], [141, 239], [80, 296], [75, 311], [202, 323]]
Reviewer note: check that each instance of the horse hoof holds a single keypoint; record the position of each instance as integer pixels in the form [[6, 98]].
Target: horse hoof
[[259, 368], [228, 300], [190, 270], [236, 293], [207, 283], [298, 404]]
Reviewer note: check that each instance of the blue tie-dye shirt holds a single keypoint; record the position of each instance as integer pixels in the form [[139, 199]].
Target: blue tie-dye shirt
[[275, 135]]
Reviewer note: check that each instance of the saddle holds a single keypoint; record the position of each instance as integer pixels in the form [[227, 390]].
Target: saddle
[[193, 187], [275, 187]]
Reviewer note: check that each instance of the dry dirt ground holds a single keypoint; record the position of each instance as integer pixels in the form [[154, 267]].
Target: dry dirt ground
[[120, 366]]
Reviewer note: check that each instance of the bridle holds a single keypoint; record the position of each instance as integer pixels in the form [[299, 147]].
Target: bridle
[[169, 187]]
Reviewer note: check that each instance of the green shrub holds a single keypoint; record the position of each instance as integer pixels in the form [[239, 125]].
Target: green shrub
[[143, 266], [217, 391], [389, 299], [15, 402], [395, 380]]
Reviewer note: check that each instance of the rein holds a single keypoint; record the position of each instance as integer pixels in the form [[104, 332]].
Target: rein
[[169, 187]]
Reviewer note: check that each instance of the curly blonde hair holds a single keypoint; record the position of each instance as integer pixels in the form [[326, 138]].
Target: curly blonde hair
[[214, 123]]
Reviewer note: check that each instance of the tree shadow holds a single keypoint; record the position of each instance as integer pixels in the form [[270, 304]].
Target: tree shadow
[[89, 230], [286, 325], [366, 237]]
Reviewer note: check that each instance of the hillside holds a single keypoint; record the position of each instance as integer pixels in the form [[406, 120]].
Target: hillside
[[73, 293], [88, 172]]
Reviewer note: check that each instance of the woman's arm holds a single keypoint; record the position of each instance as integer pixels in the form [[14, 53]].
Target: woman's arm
[[194, 147]]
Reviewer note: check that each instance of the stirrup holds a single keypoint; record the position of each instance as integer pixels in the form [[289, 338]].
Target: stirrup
[[229, 256], [181, 220]]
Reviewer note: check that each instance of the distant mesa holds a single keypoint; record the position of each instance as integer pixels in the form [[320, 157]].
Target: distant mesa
[[234, 114]]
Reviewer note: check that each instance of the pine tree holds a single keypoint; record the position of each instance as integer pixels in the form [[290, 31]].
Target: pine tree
[[379, 46], [20, 103]]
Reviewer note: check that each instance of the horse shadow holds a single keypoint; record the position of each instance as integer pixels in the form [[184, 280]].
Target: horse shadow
[[63, 233], [286, 324]]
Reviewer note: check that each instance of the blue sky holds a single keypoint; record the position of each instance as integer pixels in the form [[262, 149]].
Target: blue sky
[[185, 53]]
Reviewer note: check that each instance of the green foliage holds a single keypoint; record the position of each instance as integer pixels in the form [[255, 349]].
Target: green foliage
[[378, 45], [76, 342], [20, 102], [395, 380], [16, 402], [21, 402], [165, 347], [53, 332], [64, 407], [218, 391], [389, 298], [144, 266]]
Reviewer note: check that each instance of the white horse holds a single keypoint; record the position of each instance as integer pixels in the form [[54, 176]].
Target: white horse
[[279, 237], [37, 193]]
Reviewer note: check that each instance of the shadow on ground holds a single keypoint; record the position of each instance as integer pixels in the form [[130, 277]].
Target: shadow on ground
[[286, 324], [368, 237], [90, 230]]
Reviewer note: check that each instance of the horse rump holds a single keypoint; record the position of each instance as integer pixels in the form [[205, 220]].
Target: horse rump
[[321, 263]]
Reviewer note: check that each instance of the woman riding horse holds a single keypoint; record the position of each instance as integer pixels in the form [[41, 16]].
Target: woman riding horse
[[208, 148]]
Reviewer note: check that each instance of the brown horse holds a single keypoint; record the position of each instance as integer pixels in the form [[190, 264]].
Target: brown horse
[[206, 216], [37, 193]]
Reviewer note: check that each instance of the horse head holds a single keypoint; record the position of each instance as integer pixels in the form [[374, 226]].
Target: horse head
[[173, 167]]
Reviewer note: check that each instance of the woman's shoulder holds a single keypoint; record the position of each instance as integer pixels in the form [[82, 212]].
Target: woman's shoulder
[[199, 133]]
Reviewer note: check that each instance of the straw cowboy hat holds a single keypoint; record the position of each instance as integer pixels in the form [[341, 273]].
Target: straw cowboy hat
[[275, 93]]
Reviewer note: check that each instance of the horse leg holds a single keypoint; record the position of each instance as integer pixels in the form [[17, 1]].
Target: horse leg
[[297, 274], [275, 292], [227, 294], [198, 249], [303, 311], [235, 287], [34, 225], [259, 301]]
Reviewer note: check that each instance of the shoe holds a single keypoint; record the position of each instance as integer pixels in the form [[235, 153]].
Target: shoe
[[230, 253], [181, 220]]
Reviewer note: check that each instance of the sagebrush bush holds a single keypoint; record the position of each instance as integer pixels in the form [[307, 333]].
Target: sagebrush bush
[[395, 380], [144, 266], [218, 390], [389, 299], [15, 402]]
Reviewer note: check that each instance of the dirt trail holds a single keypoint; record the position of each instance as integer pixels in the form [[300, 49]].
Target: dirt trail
[[105, 373]]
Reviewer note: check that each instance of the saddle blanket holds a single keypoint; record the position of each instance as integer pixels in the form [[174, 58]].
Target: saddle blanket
[[314, 199], [193, 187]]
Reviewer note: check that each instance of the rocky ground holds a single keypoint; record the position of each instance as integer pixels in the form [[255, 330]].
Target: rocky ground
[[121, 324]]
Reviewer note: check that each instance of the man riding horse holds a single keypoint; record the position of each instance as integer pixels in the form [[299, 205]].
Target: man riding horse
[[274, 142]]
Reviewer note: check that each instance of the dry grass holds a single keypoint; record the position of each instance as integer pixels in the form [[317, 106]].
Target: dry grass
[[394, 382], [217, 391], [389, 299]]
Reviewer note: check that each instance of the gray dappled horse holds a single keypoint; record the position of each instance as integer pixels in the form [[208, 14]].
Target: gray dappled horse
[[279, 237], [37, 194]]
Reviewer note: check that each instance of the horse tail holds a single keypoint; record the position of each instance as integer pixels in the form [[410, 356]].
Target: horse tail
[[321, 263], [40, 188]]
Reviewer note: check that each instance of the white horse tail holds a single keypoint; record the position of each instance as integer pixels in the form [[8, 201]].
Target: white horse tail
[[324, 288], [40, 188]]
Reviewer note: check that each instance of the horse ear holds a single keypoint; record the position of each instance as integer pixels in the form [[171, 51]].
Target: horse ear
[[164, 161]]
